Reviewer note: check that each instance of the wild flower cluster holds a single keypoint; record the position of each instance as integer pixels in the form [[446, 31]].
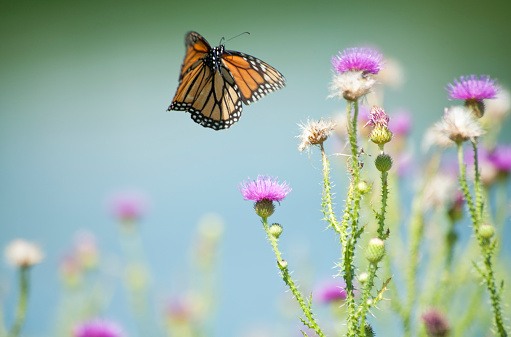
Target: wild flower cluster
[[462, 282], [430, 261]]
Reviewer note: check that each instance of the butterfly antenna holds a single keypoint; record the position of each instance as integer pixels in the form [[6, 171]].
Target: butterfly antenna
[[238, 35]]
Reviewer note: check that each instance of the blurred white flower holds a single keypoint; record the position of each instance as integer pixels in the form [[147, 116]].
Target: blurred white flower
[[21, 253]]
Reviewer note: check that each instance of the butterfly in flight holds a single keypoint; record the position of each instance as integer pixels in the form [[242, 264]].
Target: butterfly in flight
[[214, 82]]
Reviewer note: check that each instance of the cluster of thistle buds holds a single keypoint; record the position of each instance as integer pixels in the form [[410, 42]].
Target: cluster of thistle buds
[[380, 135]]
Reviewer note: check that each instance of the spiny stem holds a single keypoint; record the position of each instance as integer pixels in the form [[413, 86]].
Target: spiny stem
[[352, 209], [486, 247], [22, 303], [311, 322], [328, 209]]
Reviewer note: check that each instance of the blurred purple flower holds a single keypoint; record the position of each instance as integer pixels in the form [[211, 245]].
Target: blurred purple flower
[[500, 157], [128, 206], [436, 323], [333, 290], [358, 59], [97, 328], [401, 123], [473, 88], [264, 188]]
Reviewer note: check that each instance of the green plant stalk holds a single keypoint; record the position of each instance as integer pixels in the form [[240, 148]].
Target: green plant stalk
[[327, 206], [353, 209], [416, 234], [477, 183], [486, 248], [373, 267], [311, 322], [22, 302]]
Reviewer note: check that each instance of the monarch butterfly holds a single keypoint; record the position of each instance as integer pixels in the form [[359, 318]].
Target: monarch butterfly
[[213, 82]]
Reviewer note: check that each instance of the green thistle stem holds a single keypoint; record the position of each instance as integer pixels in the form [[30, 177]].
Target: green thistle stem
[[477, 183], [22, 303], [364, 305], [486, 248], [328, 209], [351, 214], [310, 322], [373, 267]]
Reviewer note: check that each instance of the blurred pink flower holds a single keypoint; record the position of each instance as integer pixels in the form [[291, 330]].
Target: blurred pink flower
[[128, 206]]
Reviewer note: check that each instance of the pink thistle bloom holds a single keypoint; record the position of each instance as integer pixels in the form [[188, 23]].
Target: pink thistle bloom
[[472, 88], [358, 59], [378, 117], [264, 188], [97, 328]]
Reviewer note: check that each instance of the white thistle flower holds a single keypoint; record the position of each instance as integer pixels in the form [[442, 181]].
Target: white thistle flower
[[352, 85], [21, 253], [315, 132]]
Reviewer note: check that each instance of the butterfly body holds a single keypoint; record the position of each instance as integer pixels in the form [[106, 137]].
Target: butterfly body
[[214, 82]]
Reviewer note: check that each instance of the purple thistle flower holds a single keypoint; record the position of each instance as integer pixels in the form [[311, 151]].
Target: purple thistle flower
[[264, 188], [331, 291], [500, 157], [97, 328], [378, 117], [358, 59], [473, 88]]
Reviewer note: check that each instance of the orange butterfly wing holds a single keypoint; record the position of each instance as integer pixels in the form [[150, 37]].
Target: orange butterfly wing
[[254, 77], [214, 82]]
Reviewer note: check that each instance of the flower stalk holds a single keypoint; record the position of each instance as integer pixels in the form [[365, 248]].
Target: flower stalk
[[309, 321], [22, 302], [487, 247]]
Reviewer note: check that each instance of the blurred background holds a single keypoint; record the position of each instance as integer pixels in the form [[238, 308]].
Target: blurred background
[[84, 88]]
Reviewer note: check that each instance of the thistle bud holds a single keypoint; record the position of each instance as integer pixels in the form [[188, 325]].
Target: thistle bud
[[486, 231], [363, 277], [380, 135], [375, 250], [383, 162], [363, 187], [276, 230], [264, 208]]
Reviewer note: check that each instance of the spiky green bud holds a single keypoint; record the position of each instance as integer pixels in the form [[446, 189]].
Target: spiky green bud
[[486, 231], [380, 135], [383, 162], [276, 230], [264, 208], [375, 250]]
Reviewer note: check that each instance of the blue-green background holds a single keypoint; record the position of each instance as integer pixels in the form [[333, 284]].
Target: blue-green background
[[84, 87]]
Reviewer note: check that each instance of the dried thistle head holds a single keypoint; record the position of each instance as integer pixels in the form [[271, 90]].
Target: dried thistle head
[[315, 132]]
